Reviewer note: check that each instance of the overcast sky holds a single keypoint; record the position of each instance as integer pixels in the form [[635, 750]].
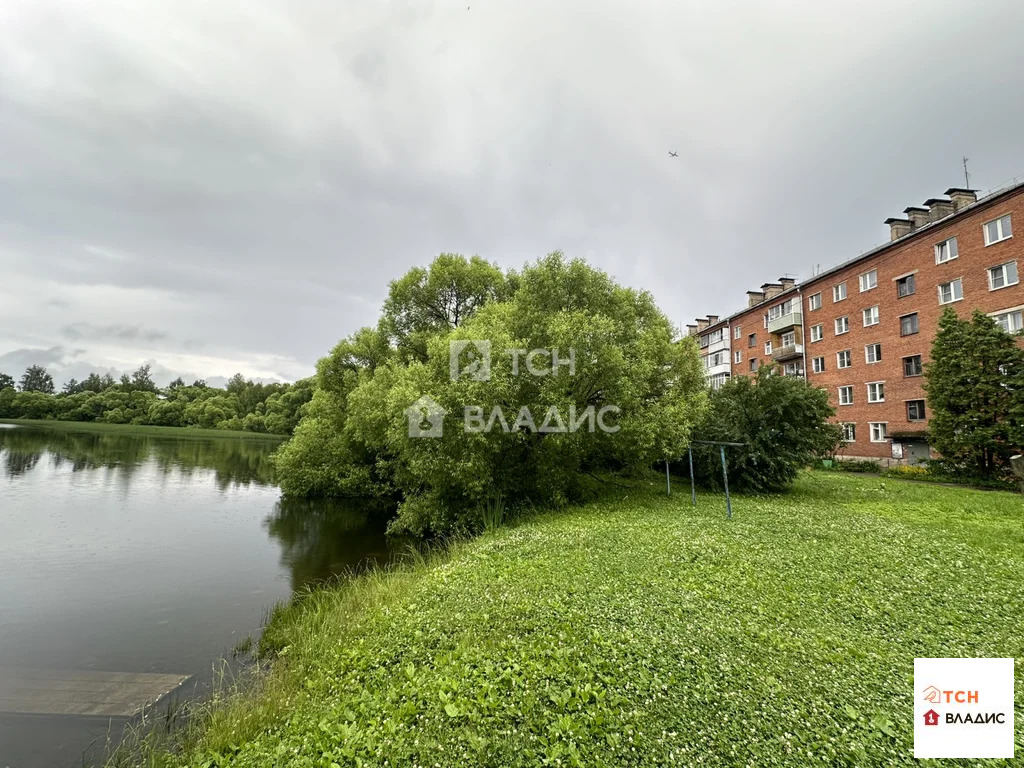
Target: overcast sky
[[228, 185]]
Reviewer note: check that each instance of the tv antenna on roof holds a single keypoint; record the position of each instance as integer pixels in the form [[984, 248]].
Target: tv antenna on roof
[[967, 176]]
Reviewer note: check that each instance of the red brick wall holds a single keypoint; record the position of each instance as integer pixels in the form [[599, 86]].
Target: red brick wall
[[915, 252], [752, 321]]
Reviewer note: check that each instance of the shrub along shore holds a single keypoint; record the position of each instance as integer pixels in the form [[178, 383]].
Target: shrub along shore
[[637, 630], [143, 430]]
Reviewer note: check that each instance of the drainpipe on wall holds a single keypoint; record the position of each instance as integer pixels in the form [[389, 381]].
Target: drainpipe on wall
[[803, 336]]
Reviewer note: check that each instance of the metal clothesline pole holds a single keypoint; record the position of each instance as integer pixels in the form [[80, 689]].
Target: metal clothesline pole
[[725, 471]]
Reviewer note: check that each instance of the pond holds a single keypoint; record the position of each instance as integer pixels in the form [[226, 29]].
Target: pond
[[136, 558]]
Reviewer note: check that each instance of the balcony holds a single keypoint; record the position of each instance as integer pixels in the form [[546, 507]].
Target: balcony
[[718, 346], [788, 352], [714, 370], [785, 322]]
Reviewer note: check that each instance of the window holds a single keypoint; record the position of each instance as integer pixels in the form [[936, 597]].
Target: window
[[1011, 322], [871, 316], [718, 380], [789, 338], [780, 310], [843, 359], [873, 353], [868, 280], [905, 286], [849, 431], [792, 369], [768, 347], [877, 431], [737, 357], [876, 391], [951, 291], [915, 410], [718, 358], [752, 340], [912, 366], [846, 395], [818, 364], [908, 325], [737, 332], [817, 332], [842, 325], [814, 302], [1002, 276], [946, 251], [998, 230], [753, 363], [838, 292]]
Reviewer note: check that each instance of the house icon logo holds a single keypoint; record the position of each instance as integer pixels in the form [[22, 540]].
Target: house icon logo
[[931, 717], [470, 358], [426, 418], [932, 695]]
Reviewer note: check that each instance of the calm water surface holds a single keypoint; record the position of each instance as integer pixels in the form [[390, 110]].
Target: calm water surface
[[146, 554]]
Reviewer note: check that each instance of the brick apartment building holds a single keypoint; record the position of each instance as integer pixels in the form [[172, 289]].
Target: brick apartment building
[[863, 330]]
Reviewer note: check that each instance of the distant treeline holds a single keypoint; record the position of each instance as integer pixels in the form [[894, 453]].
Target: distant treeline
[[135, 399]]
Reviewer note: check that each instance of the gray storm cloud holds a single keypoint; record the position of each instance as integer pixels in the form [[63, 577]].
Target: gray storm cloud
[[230, 186]]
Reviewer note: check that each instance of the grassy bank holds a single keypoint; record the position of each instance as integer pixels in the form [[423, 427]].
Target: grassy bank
[[196, 433], [639, 631]]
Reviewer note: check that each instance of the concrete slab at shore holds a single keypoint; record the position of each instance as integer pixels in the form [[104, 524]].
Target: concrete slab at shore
[[82, 692]]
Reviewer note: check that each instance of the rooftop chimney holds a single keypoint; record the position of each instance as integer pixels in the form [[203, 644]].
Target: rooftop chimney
[[754, 298], [691, 330], [702, 323], [898, 228], [918, 216], [938, 208], [962, 197], [712, 319], [787, 283], [771, 289]]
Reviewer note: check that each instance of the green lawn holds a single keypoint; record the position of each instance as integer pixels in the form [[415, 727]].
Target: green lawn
[[639, 631], [143, 429]]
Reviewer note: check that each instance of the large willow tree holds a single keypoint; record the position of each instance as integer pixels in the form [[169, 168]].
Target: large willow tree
[[625, 367]]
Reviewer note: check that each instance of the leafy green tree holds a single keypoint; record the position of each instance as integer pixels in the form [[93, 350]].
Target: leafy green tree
[[71, 386], [783, 421], [6, 381], [975, 387], [175, 384], [649, 391], [142, 381], [435, 300], [36, 379]]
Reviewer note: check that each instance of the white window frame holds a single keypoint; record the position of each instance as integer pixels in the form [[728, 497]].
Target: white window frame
[[737, 357], [848, 356], [791, 335], [846, 319], [1005, 232], [956, 281], [839, 288], [1002, 269], [1013, 317], [737, 332], [875, 316], [872, 425], [817, 332], [768, 347], [951, 247], [849, 390], [871, 274], [814, 301], [818, 364], [849, 431], [867, 357], [879, 390]]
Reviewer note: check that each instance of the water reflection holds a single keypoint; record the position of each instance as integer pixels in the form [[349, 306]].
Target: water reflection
[[321, 538], [234, 461]]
